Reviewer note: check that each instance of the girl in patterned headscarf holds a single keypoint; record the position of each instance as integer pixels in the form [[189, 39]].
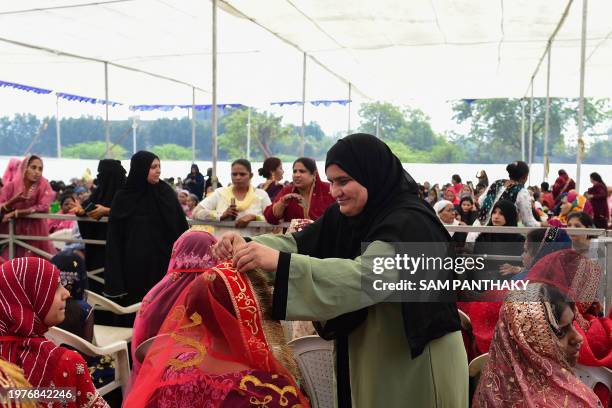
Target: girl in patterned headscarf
[[33, 300], [533, 353]]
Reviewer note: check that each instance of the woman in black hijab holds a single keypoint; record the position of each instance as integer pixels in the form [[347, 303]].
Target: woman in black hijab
[[194, 182], [386, 352], [111, 177], [503, 214], [145, 220]]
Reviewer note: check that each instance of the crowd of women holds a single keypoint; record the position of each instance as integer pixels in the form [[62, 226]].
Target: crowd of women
[[209, 331]]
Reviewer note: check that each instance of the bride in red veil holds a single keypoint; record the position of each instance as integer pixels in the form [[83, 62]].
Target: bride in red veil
[[218, 347]]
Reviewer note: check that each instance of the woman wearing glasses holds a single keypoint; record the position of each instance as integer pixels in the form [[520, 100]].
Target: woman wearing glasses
[[239, 202]]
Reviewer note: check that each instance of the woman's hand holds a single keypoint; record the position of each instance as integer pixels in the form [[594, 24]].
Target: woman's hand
[[224, 248], [230, 212], [99, 212], [8, 216], [243, 221], [508, 270], [254, 255], [292, 196]]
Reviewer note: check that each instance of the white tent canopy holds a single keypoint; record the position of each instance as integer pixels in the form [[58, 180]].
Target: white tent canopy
[[396, 50], [168, 38], [390, 50]]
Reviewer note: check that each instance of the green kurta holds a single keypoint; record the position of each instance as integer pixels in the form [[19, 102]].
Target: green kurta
[[382, 372]]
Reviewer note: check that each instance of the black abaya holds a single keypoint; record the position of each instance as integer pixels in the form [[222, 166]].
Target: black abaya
[[144, 222]]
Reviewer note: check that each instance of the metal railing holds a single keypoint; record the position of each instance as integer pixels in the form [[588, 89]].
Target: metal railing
[[603, 237]]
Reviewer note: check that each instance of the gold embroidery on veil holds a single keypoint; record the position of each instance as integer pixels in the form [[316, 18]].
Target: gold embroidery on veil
[[175, 363], [283, 401]]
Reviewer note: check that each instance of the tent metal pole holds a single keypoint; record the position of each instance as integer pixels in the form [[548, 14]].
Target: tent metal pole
[[214, 95], [248, 152], [547, 115], [106, 124], [531, 119], [58, 136], [193, 125], [348, 132], [134, 127], [302, 141], [523, 129], [580, 150]]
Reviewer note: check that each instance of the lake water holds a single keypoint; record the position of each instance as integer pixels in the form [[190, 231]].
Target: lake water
[[65, 169]]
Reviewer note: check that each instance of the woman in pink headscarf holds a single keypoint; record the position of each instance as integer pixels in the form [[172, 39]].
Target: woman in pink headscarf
[[11, 170], [191, 256], [27, 193]]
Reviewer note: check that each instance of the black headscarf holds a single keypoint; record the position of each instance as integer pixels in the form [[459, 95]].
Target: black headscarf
[[110, 178], [393, 213], [73, 274], [510, 213], [138, 192]]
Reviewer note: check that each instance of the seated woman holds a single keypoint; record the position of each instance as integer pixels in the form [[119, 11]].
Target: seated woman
[[192, 202], [504, 214], [467, 214], [272, 170], [582, 243], [570, 202], [451, 195], [484, 312], [190, 257], [445, 210], [533, 353], [219, 348], [28, 193], [183, 196], [67, 207], [73, 276], [33, 300], [306, 197], [239, 201]]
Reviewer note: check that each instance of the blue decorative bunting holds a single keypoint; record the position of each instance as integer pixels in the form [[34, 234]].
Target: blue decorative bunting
[[79, 98], [167, 108], [342, 102], [4, 84]]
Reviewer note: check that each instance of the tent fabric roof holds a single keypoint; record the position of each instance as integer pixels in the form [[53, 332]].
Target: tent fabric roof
[[389, 50]]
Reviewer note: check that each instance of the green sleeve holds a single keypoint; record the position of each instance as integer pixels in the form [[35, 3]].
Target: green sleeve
[[283, 243], [308, 288]]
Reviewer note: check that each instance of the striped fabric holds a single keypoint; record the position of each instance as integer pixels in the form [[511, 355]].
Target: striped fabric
[[27, 289]]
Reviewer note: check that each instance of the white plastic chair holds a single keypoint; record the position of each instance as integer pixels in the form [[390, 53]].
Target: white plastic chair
[[117, 350], [477, 364], [593, 375], [63, 233], [104, 335], [315, 360], [466, 323]]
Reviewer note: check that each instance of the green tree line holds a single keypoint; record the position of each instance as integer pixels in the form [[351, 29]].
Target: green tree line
[[493, 136]]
